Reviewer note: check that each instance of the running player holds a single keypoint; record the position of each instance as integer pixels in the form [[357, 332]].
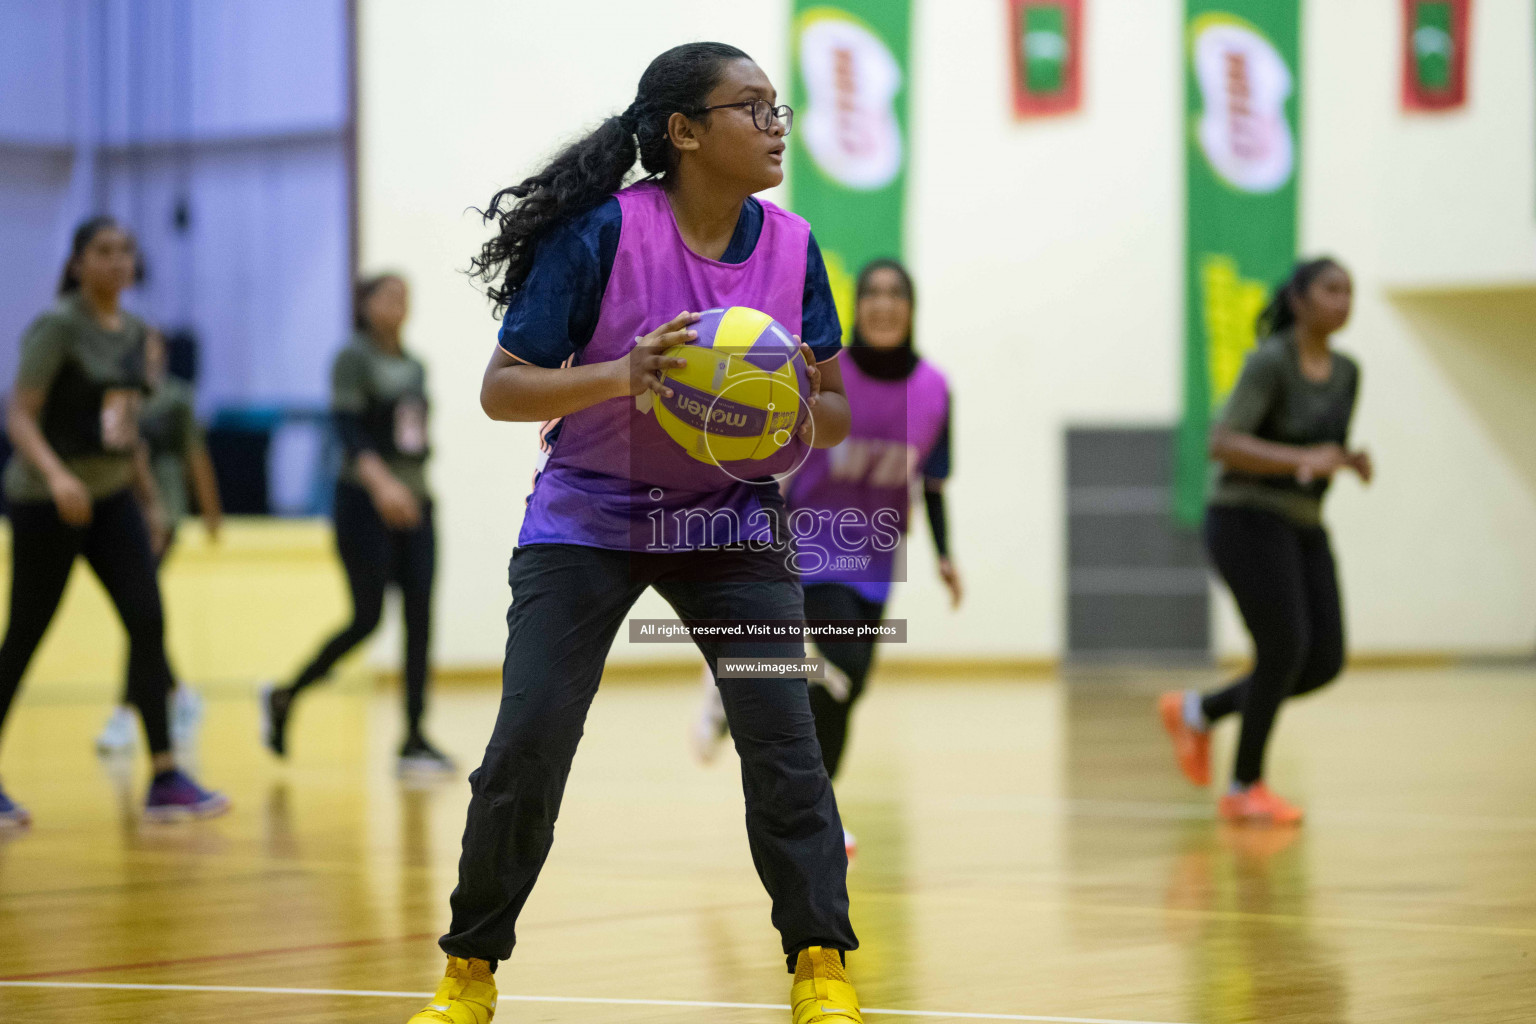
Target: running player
[[592, 276], [178, 454], [900, 432], [1281, 439], [73, 420], [383, 512]]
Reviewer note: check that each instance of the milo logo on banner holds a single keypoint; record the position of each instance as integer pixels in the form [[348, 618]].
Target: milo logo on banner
[[1244, 84], [851, 82]]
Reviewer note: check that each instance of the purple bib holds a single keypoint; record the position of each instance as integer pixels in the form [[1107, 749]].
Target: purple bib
[[614, 479], [849, 504]]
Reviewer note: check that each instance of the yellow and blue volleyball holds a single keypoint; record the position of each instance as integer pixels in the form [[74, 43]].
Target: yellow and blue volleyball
[[741, 395]]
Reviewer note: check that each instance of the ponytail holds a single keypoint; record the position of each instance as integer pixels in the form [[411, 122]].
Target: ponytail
[[591, 169], [1280, 314]]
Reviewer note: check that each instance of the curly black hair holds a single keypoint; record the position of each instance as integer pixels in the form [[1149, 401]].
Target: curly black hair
[[587, 171]]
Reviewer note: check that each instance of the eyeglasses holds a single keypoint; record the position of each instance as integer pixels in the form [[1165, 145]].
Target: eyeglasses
[[764, 114]]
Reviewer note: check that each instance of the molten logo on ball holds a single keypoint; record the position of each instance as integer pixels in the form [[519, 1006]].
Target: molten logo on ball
[[741, 395], [703, 411]]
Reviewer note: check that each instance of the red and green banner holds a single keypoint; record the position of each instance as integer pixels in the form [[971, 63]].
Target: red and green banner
[[848, 153], [1241, 72], [1046, 38], [1435, 53]]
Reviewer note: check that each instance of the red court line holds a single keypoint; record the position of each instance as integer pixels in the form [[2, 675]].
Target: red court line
[[220, 957]]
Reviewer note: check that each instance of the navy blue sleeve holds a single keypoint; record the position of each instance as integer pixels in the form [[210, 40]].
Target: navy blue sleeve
[[819, 326], [552, 316], [937, 465]]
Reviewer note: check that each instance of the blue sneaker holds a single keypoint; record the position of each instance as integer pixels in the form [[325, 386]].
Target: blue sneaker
[[12, 814], [174, 796]]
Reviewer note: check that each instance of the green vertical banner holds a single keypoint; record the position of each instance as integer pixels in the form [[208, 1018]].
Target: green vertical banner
[[848, 152], [1241, 72]]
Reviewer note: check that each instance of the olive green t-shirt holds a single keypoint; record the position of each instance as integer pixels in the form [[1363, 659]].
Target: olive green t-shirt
[[1275, 401], [169, 425], [387, 394], [93, 380]]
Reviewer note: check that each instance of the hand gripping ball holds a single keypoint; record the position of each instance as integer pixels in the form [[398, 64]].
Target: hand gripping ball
[[741, 394]]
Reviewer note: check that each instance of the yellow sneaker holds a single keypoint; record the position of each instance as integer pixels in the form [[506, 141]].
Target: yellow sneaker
[[467, 995], [821, 991]]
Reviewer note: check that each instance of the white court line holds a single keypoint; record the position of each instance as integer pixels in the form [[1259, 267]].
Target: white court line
[[700, 1004]]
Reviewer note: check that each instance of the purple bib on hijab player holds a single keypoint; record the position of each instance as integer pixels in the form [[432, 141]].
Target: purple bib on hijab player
[[849, 504]]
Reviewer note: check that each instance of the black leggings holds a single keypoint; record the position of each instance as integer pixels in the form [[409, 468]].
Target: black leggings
[[568, 603], [853, 658], [116, 545], [375, 556], [165, 552], [1283, 578]]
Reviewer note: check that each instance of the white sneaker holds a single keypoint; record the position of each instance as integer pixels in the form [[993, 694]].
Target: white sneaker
[[186, 716], [850, 844], [118, 734], [836, 683], [709, 728]]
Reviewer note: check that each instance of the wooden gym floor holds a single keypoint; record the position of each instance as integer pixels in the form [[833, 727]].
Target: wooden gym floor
[[1027, 852]]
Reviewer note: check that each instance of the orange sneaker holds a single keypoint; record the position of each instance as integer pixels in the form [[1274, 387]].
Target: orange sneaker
[[1191, 746], [1257, 805]]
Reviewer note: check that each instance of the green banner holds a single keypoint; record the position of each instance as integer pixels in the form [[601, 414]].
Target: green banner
[[848, 152], [1242, 80]]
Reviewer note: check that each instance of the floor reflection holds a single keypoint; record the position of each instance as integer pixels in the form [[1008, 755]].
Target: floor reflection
[[1237, 901], [1235, 898]]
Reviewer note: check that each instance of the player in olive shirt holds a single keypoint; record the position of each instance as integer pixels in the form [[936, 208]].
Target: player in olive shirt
[[73, 420], [383, 512], [177, 453], [1281, 439]]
